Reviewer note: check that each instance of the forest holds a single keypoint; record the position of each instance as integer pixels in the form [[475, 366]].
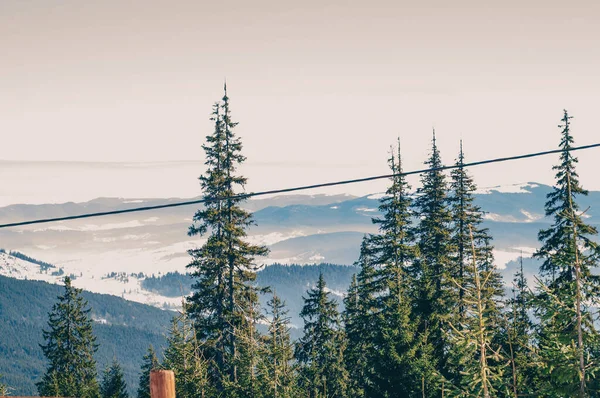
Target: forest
[[426, 314]]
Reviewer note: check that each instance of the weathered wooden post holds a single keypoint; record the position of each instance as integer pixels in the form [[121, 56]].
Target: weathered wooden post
[[162, 384]]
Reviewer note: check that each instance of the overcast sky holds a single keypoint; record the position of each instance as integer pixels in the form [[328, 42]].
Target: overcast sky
[[320, 88]]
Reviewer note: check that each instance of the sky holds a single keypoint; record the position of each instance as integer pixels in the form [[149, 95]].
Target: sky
[[321, 89]]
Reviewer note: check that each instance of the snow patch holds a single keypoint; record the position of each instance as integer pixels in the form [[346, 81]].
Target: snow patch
[[524, 187]]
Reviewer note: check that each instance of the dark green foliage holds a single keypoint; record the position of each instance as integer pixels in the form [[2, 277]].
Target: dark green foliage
[[184, 357], [568, 338], [69, 348], [434, 295], [479, 288], [24, 306], [320, 352], [150, 363], [517, 340], [277, 373], [113, 383], [289, 280], [360, 326], [224, 294], [393, 347]]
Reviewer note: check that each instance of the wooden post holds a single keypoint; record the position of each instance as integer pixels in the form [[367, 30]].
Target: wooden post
[[162, 384]]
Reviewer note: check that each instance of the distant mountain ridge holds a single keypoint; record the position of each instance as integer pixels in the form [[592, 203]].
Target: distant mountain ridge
[[298, 229]]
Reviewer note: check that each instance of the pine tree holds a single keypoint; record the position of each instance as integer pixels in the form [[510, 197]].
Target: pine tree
[[69, 348], [113, 382], [277, 371], [223, 295], [435, 298], [393, 250], [568, 338], [320, 351], [150, 363]]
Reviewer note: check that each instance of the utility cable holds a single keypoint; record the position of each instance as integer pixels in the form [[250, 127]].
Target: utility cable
[[294, 189]]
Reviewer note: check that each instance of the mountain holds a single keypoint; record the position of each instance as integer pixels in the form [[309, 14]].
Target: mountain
[[113, 254], [124, 330]]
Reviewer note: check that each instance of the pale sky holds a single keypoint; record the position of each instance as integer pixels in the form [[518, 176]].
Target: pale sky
[[320, 88]]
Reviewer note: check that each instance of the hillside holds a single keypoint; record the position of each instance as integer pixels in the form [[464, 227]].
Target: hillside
[[124, 329]]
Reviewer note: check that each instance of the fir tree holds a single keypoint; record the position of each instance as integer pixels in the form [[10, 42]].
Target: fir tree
[[69, 348], [277, 369], [568, 338], [113, 382], [435, 298], [394, 251], [223, 295], [321, 348], [150, 363]]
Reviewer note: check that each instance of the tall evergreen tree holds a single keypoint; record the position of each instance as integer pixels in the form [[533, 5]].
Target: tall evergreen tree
[[473, 345], [320, 351], [361, 324], [434, 295], [150, 363], [393, 249], [471, 242], [113, 382], [277, 371], [69, 348], [224, 295], [568, 337]]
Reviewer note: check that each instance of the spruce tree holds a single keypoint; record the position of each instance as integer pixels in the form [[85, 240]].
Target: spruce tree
[[113, 382], [223, 294], [277, 371], [69, 348], [434, 295], [320, 351], [568, 338], [150, 363], [393, 249]]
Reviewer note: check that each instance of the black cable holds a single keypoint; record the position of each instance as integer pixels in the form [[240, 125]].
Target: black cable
[[301, 188]]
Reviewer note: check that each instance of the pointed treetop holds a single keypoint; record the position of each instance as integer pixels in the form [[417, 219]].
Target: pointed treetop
[[461, 154], [225, 97], [434, 137], [399, 157]]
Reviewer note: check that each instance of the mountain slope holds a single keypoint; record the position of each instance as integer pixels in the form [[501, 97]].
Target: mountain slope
[[124, 329]]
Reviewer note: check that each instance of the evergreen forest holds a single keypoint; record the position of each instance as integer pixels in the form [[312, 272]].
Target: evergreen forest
[[426, 313]]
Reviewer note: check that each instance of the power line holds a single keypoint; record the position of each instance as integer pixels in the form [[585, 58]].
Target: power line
[[294, 189]]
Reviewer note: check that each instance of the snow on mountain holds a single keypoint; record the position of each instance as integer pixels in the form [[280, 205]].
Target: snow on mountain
[[523, 187], [121, 284]]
